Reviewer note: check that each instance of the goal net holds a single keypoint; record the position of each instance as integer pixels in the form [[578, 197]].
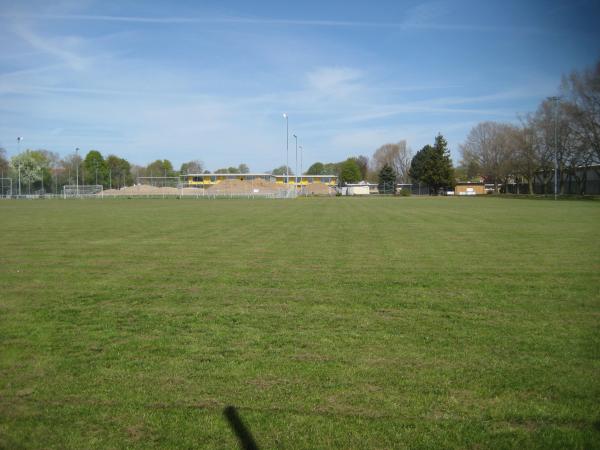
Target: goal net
[[83, 190], [5, 187]]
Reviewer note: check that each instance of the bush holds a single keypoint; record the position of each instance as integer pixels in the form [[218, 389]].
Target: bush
[[404, 192]]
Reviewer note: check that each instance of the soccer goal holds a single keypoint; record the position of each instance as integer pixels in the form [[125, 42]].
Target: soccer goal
[[83, 190], [6, 187]]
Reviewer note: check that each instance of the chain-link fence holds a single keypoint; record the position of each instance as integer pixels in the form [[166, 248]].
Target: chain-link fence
[[566, 187]]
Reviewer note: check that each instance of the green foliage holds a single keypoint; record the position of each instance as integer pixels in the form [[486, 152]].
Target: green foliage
[[405, 192], [243, 168], [119, 172], [4, 164], [433, 165], [333, 168], [281, 170], [350, 172], [95, 169], [387, 180], [194, 166], [363, 165], [316, 169], [160, 168], [33, 166]]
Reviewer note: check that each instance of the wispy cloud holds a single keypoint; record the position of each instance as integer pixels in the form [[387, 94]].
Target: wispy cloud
[[60, 49], [334, 81], [408, 25]]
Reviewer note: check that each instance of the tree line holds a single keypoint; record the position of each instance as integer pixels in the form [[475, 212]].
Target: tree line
[[44, 170], [564, 132]]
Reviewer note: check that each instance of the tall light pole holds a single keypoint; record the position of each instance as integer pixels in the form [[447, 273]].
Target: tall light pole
[[555, 100], [296, 166], [19, 139], [287, 152], [301, 170], [77, 168]]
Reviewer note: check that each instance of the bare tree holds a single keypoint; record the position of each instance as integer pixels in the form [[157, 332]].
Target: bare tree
[[491, 146], [527, 158], [557, 144], [581, 107], [398, 156], [3, 163], [363, 165], [194, 166]]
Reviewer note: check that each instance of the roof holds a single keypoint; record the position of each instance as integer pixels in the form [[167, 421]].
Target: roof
[[252, 175], [228, 174]]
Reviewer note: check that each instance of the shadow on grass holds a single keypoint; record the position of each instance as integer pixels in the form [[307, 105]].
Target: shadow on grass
[[243, 434]]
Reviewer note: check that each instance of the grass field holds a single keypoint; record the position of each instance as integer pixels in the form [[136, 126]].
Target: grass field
[[336, 322]]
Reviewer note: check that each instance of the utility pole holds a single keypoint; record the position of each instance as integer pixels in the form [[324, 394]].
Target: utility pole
[[301, 171], [19, 139], [555, 100], [287, 151], [296, 166], [77, 168]]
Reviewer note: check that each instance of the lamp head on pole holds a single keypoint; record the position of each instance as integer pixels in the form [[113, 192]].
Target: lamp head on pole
[[285, 116], [295, 137]]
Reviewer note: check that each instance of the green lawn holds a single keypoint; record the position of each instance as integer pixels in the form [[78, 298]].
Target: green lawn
[[334, 322]]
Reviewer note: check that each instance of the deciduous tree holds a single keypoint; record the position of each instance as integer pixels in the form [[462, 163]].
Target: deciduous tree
[[119, 172], [350, 172], [398, 156], [281, 170], [194, 166], [95, 168], [316, 169]]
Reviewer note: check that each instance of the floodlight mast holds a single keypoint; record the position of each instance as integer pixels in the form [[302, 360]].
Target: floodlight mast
[[301, 171], [19, 139], [296, 167], [287, 152], [77, 168], [555, 100]]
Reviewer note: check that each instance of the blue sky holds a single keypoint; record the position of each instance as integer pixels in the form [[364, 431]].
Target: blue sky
[[210, 80]]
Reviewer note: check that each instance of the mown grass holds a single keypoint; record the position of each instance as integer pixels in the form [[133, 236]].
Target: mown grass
[[338, 322]]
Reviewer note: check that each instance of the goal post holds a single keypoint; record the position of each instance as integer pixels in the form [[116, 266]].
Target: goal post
[[6, 187], [83, 190]]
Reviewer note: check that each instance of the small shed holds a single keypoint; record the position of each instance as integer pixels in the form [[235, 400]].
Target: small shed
[[358, 190], [468, 188]]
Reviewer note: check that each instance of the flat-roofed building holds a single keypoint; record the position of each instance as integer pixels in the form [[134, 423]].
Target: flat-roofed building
[[305, 180], [210, 179]]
